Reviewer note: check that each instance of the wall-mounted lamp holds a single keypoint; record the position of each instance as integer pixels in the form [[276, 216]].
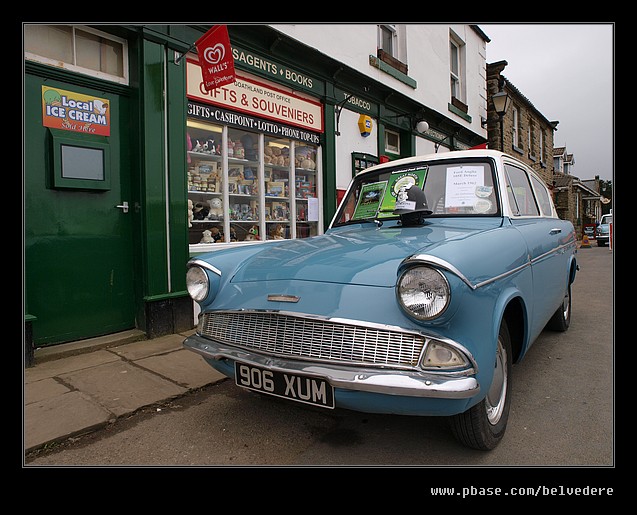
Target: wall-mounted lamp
[[501, 102], [421, 126]]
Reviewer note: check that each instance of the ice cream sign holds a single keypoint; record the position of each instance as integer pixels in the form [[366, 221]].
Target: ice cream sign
[[75, 112]]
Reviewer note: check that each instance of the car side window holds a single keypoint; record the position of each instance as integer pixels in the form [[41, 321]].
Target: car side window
[[543, 196], [519, 191]]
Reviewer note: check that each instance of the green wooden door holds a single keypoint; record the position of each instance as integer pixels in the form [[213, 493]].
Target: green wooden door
[[78, 244]]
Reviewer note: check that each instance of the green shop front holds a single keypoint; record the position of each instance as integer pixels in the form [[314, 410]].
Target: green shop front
[[131, 167]]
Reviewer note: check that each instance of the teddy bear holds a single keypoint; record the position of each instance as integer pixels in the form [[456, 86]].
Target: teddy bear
[[278, 232], [207, 237], [253, 233], [216, 209], [209, 147], [190, 213], [217, 235]]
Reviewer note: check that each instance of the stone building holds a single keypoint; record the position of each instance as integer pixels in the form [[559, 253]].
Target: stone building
[[576, 200], [526, 133]]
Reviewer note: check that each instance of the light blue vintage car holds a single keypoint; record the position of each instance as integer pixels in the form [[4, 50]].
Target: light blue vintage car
[[435, 275]]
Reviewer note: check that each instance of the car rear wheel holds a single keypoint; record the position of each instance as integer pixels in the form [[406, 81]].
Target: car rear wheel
[[561, 319], [482, 426]]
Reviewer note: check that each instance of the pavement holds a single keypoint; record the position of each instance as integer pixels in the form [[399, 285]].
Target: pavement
[[80, 387]]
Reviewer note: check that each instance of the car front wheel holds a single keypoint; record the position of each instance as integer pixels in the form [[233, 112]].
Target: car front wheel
[[561, 319], [482, 426]]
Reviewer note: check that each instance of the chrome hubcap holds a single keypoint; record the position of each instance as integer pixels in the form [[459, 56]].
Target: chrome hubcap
[[497, 392], [566, 305]]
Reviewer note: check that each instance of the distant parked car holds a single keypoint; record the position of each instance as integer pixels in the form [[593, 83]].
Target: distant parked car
[[603, 230], [436, 274]]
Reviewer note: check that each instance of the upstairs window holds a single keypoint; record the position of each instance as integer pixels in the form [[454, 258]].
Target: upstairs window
[[457, 79], [531, 138], [516, 126], [391, 46], [79, 49], [454, 65], [386, 36]]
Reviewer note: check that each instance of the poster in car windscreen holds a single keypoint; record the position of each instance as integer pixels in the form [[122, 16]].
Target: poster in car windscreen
[[369, 200], [397, 180]]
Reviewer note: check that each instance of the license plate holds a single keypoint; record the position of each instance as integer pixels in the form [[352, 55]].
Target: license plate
[[295, 387]]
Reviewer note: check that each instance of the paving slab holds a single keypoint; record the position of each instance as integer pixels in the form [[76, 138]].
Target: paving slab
[[68, 364], [121, 387], [60, 417], [47, 388], [184, 367], [143, 349]]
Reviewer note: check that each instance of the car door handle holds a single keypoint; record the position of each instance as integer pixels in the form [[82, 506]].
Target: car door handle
[[123, 206], [555, 231]]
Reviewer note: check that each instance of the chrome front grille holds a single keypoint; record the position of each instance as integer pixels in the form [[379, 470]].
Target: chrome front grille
[[313, 338]]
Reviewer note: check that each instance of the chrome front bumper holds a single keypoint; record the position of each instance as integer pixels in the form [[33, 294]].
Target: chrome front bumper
[[409, 383]]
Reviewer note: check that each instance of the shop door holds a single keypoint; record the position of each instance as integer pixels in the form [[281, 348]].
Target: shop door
[[78, 239]]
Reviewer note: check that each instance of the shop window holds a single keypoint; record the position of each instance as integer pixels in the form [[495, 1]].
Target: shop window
[[80, 49], [247, 186], [361, 161]]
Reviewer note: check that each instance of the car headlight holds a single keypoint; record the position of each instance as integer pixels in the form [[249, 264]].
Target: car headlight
[[197, 283], [423, 292]]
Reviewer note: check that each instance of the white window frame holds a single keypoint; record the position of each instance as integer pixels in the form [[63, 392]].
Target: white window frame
[[455, 81], [391, 148], [87, 71], [458, 78], [393, 39], [516, 126]]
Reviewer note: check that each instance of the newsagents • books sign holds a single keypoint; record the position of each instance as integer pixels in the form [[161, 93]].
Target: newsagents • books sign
[[252, 97]]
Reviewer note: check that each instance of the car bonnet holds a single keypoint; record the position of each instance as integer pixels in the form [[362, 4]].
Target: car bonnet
[[350, 255]]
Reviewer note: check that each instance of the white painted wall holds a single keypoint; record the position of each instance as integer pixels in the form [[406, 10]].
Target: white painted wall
[[427, 56], [350, 141]]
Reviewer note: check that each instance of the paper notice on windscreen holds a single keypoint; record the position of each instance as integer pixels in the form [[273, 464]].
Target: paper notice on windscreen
[[312, 209], [462, 184]]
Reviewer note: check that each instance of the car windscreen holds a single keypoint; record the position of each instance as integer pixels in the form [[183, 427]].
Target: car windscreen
[[451, 188]]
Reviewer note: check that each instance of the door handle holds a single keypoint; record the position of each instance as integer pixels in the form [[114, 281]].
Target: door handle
[[123, 206], [553, 231]]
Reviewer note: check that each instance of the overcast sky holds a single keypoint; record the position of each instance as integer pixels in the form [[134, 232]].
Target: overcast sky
[[566, 71]]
